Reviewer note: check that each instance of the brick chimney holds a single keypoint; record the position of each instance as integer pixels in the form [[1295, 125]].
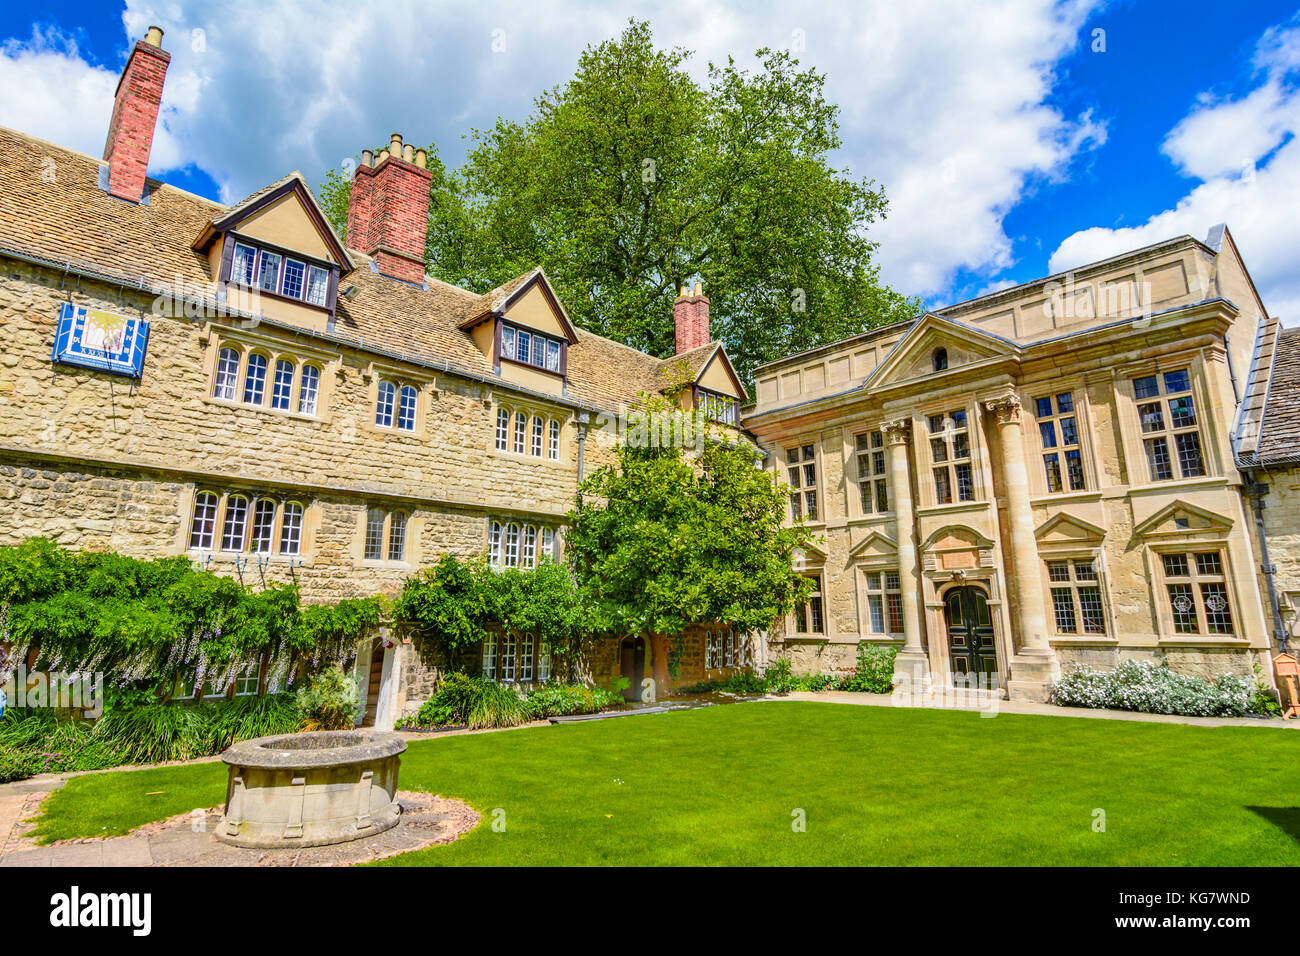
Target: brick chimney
[[691, 319], [135, 113], [388, 212]]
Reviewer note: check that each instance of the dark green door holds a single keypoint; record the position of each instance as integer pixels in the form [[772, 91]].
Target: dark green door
[[970, 637]]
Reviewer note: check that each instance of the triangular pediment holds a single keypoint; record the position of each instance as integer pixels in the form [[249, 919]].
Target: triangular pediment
[[284, 214], [875, 545], [1067, 529], [808, 556], [931, 336], [1181, 518]]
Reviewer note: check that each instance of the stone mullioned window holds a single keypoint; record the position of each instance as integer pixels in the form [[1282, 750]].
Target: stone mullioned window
[[238, 522]]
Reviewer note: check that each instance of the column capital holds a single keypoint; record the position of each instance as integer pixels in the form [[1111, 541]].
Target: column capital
[[1006, 408], [898, 431]]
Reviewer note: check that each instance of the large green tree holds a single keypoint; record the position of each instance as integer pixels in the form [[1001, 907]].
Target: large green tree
[[665, 539], [633, 179]]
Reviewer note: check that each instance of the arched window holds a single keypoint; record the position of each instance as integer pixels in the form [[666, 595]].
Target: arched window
[[503, 429], [283, 387], [548, 544], [406, 409], [232, 534], [940, 358], [530, 546], [512, 545], [384, 407], [255, 379], [397, 536], [291, 529], [521, 426], [227, 374], [263, 526], [553, 449], [308, 387], [205, 520], [494, 544], [538, 425]]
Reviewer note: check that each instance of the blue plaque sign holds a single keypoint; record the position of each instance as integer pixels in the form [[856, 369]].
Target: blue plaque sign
[[101, 340]]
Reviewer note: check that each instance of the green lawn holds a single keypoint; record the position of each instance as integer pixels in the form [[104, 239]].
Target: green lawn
[[878, 786]]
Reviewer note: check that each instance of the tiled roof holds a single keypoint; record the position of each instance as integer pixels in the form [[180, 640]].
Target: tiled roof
[[1279, 438], [52, 208]]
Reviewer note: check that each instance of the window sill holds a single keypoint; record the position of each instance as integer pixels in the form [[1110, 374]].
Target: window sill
[[263, 409], [524, 456], [1203, 640], [215, 556], [1173, 484], [872, 518], [1048, 498], [1101, 640], [954, 508], [384, 564]]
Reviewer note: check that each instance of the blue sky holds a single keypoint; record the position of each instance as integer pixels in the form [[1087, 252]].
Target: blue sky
[[1009, 146]]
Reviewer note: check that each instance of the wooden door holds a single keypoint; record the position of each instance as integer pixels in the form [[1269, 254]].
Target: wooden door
[[632, 666], [971, 652], [372, 687]]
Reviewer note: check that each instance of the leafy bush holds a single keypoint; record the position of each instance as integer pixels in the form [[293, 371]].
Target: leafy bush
[[474, 702], [153, 733], [1153, 688], [779, 677], [244, 718], [875, 672], [329, 701], [39, 741], [561, 700]]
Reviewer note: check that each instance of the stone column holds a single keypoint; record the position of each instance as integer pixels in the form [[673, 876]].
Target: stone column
[[912, 664], [1033, 667]]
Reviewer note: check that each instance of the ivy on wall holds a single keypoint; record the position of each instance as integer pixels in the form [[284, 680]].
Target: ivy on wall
[[160, 619]]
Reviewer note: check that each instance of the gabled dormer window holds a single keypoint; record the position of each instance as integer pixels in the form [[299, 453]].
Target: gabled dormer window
[[716, 406], [532, 348], [279, 273]]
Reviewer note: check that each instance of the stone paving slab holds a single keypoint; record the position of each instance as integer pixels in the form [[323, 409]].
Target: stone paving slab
[[185, 840]]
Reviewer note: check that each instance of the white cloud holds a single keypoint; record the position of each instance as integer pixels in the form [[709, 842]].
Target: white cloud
[[1220, 142], [943, 104]]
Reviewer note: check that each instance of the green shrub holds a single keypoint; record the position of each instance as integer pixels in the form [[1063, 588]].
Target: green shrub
[[474, 702], [154, 733], [779, 677], [329, 701], [1152, 687], [40, 741], [561, 700], [244, 718], [875, 671]]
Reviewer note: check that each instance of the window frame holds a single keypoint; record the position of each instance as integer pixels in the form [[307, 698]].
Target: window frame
[[263, 250], [1074, 585], [1169, 435], [799, 457], [951, 462], [812, 611], [1061, 449], [872, 483], [511, 337], [1196, 581], [216, 536]]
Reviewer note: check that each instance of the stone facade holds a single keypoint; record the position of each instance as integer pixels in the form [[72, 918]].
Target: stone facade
[[307, 412], [1014, 435]]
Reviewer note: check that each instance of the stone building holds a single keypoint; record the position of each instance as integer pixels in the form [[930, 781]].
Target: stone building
[[236, 385], [1040, 476]]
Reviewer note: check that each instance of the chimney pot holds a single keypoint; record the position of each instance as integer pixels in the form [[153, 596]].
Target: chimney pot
[[154, 37], [422, 158], [367, 157], [395, 146], [408, 153]]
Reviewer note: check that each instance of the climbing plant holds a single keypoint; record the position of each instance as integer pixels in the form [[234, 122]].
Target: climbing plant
[[451, 605], [159, 619]]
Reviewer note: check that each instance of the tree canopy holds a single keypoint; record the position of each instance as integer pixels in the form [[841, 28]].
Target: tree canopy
[[663, 540], [633, 179]]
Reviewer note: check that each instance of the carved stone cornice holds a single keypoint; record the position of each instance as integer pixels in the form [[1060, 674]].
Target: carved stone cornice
[[898, 431], [1006, 409]]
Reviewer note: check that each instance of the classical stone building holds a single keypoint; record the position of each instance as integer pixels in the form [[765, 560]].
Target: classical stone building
[[236, 385], [1039, 476]]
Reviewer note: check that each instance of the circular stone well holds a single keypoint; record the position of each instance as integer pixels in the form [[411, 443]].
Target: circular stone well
[[311, 789]]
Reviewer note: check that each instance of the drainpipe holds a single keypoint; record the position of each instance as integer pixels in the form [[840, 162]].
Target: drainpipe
[[583, 419], [1256, 491]]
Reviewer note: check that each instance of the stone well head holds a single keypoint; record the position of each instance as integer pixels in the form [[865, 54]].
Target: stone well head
[[311, 789]]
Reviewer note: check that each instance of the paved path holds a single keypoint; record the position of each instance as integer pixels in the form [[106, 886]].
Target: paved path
[[186, 840], [1049, 710]]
